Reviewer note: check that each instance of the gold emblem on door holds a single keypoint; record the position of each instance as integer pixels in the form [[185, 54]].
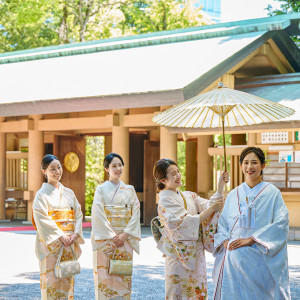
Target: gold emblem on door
[[71, 162]]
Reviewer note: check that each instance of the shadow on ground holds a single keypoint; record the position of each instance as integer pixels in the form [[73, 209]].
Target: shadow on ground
[[148, 283]]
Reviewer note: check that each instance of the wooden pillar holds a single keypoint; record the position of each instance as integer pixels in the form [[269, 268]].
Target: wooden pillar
[[168, 144], [204, 165], [238, 139], [107, 150], [35, 155], [120, 141], [191, 166], [2, 172], [251, 139]]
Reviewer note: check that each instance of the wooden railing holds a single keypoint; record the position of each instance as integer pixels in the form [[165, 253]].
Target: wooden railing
[[233, 156], [16, 170]]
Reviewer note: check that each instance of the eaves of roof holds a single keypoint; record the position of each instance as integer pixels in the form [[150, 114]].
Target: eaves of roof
[[276, 23]]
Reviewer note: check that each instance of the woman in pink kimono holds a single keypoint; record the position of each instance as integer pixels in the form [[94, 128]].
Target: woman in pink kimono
[[116, 230], [189, 223], [58, 219]]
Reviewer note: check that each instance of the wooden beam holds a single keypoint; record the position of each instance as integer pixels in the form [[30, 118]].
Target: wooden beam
[[18, 194], [77, 123], [273, 59], [281, 56], [140, 120], [16, 126], [243, 61], [16, 155]]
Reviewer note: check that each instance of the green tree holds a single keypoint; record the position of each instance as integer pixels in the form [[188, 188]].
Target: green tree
[[94, 170], [28, 24], [286, 7], [25, 24], [181, 146], [156, 15]]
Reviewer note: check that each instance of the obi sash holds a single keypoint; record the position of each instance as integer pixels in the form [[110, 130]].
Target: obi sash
[[118, 216], [64, 219]]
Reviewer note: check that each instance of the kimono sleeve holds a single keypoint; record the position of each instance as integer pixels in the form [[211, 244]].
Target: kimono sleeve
[[203, 204], [209, 226], [101, 227], [223, 230], [180, 225], [271, 238], [78, 220], [133, 228], [46, 227]]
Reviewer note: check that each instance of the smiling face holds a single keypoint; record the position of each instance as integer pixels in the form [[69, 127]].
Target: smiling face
[[251, 167], [115, 169], [173, 178], [53, 172]]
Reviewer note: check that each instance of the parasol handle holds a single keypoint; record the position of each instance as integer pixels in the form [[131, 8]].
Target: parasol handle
[[224, 147]]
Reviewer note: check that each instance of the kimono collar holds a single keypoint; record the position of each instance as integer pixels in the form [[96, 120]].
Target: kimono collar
[[251, 193], [49, 188], [170, 194], [109, 183]]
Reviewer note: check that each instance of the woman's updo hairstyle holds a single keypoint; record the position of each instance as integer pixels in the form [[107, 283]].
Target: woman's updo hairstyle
[[160, 172], [257, 151], [47, 160], [109, 157]]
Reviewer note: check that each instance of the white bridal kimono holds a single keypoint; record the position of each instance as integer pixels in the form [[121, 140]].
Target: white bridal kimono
[[184, 238], [105, 226], [259, 271], [56, 212]]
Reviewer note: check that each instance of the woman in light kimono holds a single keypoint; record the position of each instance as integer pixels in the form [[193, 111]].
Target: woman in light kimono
[[189, 225], [114, 235], [251, 239], [58, 220]]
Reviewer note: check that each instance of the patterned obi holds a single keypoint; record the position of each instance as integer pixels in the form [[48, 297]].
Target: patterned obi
[[118, 216], [64, 219]]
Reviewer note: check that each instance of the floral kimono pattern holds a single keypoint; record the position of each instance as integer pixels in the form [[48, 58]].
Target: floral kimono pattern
[[115, 209], [56, 212], [184, 239]]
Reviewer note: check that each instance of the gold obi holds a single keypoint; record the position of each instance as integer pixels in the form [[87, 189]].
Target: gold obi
[[64, 219], [118, 216]]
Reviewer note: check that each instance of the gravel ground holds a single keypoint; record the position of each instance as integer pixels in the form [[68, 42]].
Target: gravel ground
[[19, 270]]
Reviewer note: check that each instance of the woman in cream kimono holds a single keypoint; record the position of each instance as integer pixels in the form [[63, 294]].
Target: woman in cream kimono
[[116, 230], [251, 240], [58, 220], [189, 223]]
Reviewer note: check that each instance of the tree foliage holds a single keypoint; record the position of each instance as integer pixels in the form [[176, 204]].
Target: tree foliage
[[181, 162], [94, 170], [156, 15], [28, 24], [286, 7]]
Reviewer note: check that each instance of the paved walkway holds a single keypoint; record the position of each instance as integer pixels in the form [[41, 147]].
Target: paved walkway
[[19, 270]]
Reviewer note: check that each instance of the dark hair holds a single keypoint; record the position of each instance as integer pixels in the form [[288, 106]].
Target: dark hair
[[160, 172], [47, 160], [257, 151], [109, 157]]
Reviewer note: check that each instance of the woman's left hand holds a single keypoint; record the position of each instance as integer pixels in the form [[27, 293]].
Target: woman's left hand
[[73, 239], [120, 239], [241, 243]]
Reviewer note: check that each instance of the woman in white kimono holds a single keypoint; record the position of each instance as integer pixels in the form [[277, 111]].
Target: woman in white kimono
[[116, 230], [189, 223], [251, 239], [57, 217]]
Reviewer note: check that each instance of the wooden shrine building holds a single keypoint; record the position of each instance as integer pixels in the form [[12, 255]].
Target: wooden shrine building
[[51, 98]]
